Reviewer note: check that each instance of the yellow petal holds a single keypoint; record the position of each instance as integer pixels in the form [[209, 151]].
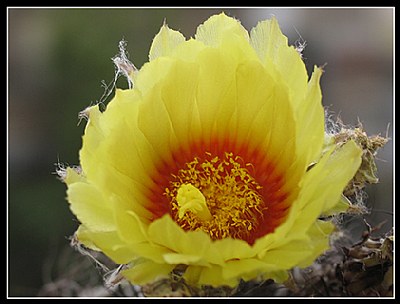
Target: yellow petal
[[341, 206], [113, 159], [192, 274], [321, 188], [213, 276], [72, 176], [288, 255], [323, 185], [131, 228], [108, 242], [178, 95], [286, 65], [150, 251], [342, 166], [165, 232], [293, 71], [102, 142], [93, 137], [160, 133], [215, 82], [216, 94], [129, 192], [151, 73], [319, 234], [189, 50], [194, 245], [230, 273], [158, 69], [272, 48], [121, 114], [145, 271], [187, 259], [90, 206], [310, 118], [255, 93], [230, 249], [301, 252], [269, 116], [246, 268], [165, 42], [267, 38], [218, 28]]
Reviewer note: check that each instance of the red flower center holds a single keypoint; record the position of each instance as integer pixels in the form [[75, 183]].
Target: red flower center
[[241, 193]]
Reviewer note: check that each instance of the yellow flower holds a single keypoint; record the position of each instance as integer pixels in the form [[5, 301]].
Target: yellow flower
[[205, 162]]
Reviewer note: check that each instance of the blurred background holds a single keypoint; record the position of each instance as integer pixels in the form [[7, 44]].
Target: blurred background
[[58, 60]]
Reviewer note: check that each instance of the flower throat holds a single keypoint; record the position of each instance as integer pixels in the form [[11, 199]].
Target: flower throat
[[216, 195]]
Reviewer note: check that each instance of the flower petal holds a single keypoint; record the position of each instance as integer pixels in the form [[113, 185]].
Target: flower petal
[[229, 249], [161, 136], [145, 271], [165, 42], [349, 156], [218, 28], [267, 39], [269, 121], [90, 206], [152, 73], [108, 242], [319, 234], [310, 116], [229, 274], [72, 176], [93, 137], [326, 184], [341, 206], [285, 64], [151, 251], [179, 97], [127, 158], [187, 259], [131, 227], [246, 268], [213, 276], [189, 50], [301, 252], [287, 255], [216, 94], [274, 52], [187, 245], [323, 183]]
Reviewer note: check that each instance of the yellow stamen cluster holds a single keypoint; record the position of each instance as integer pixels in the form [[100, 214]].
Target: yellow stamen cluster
[[230, 193]]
